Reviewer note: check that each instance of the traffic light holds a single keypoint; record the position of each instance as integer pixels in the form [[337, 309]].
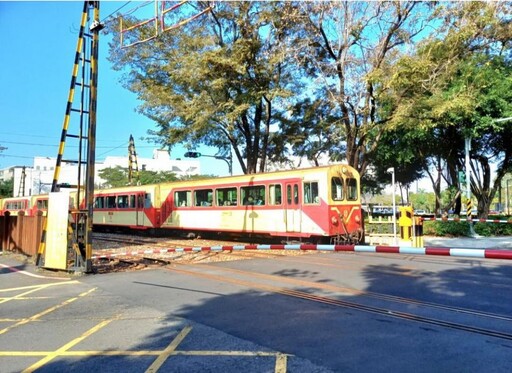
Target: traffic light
[[192, 155], [462, 178]]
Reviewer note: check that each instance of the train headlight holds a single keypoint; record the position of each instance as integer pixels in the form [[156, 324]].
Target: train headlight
[[334, 220], [358, 219]]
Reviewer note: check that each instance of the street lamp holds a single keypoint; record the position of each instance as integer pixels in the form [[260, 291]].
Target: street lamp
[[392, 171]]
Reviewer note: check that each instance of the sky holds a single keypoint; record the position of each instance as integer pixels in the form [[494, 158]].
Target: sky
[[38, 42]]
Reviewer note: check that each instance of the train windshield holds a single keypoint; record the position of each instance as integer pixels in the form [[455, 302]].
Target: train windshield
[[351, 189], [337, 188], [344, 189]]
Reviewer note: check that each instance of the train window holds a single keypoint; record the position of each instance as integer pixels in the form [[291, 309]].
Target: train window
[[253, 195], [122, 201], [226, 197], [351, 189], [296, 194], [311, 192], [183, 198], [147, 200], [203, 197], [111, 202], [132, 201], [274, 194], [42, 204], [15, 205], [99, 203], [289, 194], [337, 188]]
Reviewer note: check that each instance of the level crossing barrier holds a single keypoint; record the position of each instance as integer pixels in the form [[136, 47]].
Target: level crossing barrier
[[509, 221], [440, 251]]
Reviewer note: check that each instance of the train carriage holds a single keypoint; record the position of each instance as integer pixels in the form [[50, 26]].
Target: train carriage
[[318, 203], [134, 207], [16, 205]]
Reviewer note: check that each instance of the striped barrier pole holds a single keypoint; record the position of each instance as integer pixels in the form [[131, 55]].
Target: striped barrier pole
[[509, 221], [440, 251]]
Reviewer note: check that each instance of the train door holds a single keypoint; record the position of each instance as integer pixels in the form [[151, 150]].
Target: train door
[[139, 210], [292, 207]]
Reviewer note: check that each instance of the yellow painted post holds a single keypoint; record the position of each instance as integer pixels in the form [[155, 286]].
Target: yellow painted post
[[405, 224]]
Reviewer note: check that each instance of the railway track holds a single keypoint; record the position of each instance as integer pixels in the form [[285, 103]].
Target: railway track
[[388, 305], [392, 309]]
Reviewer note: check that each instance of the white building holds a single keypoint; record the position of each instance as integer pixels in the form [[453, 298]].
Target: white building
[[38, 179]]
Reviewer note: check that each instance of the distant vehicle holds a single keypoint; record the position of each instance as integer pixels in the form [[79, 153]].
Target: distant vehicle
[[420, 212]]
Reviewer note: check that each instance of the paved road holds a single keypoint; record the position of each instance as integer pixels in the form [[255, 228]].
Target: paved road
[[317, 312]]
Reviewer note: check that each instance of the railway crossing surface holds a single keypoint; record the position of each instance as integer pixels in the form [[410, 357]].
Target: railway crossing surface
[[318, 312]]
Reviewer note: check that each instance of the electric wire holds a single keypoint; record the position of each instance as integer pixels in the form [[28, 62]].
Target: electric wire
[[115, 11]]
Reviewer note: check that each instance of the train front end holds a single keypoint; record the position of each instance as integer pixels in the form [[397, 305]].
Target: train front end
[[345, 213]]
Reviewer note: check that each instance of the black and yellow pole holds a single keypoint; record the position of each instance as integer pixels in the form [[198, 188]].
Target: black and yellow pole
[[133, 168], [65, 126], [95, 28]]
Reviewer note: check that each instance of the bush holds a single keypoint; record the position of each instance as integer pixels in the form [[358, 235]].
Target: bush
[[446, 228], [493, 229], [461, 228]]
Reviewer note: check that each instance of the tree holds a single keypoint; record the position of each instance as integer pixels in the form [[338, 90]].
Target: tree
[[216, 81], [118, 177], [343, 49], [455, 87], [6, 188]]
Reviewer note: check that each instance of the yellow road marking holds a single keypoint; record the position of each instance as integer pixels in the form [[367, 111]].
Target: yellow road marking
[[143, 353], [67, 346], [45, 312], [169, 350], [281, 363], [224, 353]]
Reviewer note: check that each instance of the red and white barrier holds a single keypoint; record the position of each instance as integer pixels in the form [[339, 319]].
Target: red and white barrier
[[442, 251], [469, 220]]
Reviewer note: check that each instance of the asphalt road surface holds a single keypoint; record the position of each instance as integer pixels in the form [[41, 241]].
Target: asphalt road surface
[[316, 312]]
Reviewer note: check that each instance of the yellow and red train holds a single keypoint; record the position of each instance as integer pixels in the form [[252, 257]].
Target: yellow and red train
[[320, 204]]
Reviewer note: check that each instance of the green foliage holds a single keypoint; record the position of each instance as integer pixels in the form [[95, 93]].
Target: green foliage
[[114, 177], [423, 200], [461, 228], [453, 86], [445, 228], [6, 188], [198, 177], [493, 229], [118, 177], [215, 81], [153, 177]]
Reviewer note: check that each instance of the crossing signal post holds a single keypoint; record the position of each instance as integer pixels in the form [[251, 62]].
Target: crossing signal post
[[84, 77]]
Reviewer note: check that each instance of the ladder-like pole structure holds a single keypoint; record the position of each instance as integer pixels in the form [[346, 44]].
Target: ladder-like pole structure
[[82, 216], [133, 168]]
